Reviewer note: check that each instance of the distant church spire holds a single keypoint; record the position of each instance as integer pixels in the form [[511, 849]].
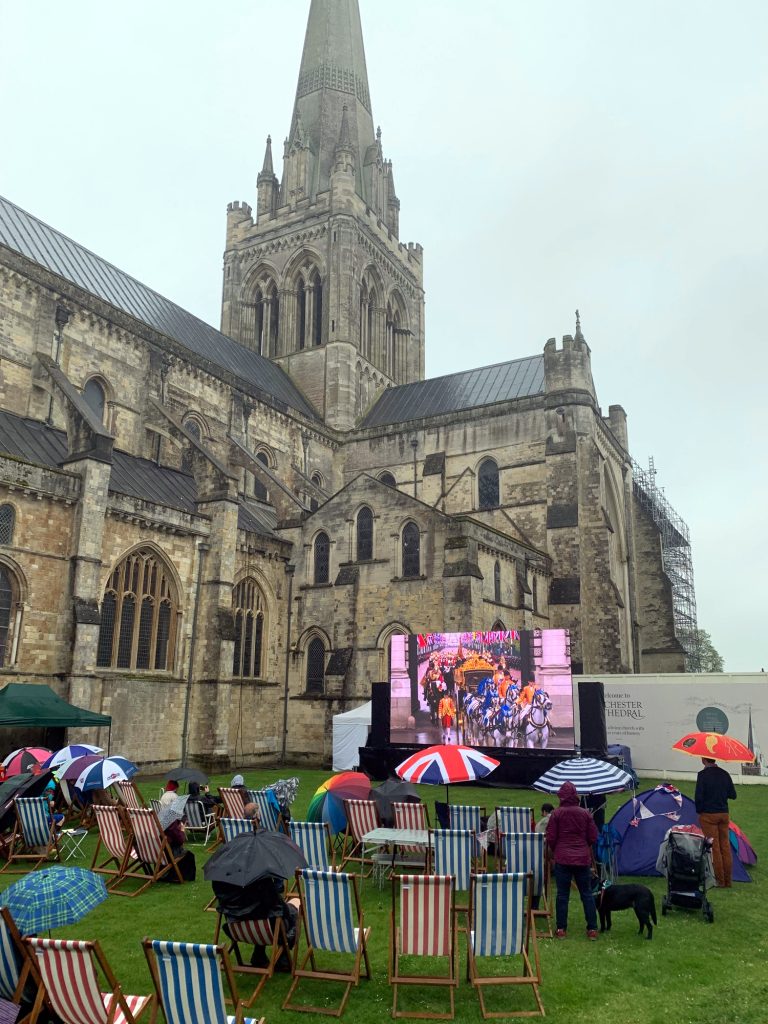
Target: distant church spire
[[333, 75], [268, 168], [578, 336]]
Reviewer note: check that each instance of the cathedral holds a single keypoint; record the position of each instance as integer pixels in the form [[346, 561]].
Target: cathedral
[[212, 535]]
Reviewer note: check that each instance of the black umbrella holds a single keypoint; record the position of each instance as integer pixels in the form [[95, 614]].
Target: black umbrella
[[186, 775], [393, 790], [19, 785], [254, 855]]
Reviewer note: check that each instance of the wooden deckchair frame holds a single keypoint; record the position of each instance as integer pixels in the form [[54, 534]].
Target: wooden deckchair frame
[[130, 795], [233, 800], [276, 938], [117, 872], [18, 839], [529, 976], [347, 978], [148, 873], [544, 909], [398, 947], [28, 972], [357, 853], [100, 963]]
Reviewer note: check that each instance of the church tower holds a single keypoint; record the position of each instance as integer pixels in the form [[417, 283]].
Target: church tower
[[319, 281]]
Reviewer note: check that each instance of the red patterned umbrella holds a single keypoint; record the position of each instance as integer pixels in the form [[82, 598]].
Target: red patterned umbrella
[[446, 763], [25, 759], [714, 745]]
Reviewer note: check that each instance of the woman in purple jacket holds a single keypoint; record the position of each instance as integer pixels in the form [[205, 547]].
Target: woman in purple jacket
[[570, 835]]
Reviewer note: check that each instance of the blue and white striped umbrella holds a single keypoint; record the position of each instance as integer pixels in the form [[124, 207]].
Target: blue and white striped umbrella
[[103, 773], [60, 757], [588, 774]]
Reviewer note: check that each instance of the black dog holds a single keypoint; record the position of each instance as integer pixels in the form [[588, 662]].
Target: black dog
[[622, 897]]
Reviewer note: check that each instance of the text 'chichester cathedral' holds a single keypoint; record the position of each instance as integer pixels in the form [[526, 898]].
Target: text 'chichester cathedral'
[[212, 536]]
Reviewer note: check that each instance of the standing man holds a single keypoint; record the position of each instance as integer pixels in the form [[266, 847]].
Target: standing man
[[714, 788]]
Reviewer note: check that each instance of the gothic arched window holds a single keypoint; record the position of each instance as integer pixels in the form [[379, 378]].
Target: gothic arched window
[[301, 315], [259, 490], [497, 583], [488, 484], [248, 610], [364, 535], [411, 550], [317, 308], [7, 523], [138, 615], [388, 479], [8, 600], [322, 551], [315, 666], [95, 398]]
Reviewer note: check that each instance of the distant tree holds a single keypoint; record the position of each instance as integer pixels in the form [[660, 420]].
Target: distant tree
[[702, 655]]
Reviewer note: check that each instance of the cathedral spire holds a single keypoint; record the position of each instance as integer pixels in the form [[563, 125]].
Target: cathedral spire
[[333, 75], [267, 186], [268, 168]]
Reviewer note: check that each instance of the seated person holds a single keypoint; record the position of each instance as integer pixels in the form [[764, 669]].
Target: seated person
[[541, 824], [202, 793], [255, 902], [170, 794], [252, 813], [177, 836], [238, 782]]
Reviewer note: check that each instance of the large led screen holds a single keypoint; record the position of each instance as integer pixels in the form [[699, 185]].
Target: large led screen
[[489, 689]]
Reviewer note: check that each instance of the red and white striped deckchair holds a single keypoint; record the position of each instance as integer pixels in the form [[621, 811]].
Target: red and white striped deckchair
[[33, 832], [233, 800], [130, 795], [333, 923], [414, 816], [501, 925], [264, 932], [426, 928], [70, 974], [152, 850], [362, 817], [115, 839]]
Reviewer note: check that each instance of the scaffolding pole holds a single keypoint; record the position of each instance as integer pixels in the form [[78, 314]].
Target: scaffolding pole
[[676, 559]]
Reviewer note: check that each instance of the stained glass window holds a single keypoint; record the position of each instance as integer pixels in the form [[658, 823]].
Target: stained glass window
[[411, 550], [248, 610], [315, 666], [322, 558], [364, 535], [488, 484]]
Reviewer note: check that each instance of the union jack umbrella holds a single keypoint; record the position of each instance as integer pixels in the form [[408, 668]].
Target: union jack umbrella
[[446, 763]]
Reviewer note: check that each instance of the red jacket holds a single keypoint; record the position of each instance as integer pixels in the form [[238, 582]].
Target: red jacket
[[571, 830]]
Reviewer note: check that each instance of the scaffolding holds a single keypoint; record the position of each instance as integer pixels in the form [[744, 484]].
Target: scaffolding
[[676, 559]]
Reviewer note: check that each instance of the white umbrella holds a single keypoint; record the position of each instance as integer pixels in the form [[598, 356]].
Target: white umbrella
[[588, 774]]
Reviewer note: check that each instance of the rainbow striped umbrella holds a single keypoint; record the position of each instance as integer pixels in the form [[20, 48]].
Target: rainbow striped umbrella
[[328, 802]]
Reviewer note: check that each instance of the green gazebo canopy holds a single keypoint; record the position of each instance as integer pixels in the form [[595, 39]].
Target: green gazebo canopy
[[37, 705]]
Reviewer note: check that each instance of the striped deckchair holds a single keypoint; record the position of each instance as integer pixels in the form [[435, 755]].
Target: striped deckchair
[[454, 852], [265, 932], [414, 816], [362, 817], [314, 840], [233, 800], [426, 928], [512, 819], [333, 923], [524, 853], [130, 795], [18, 970], [153, 851], [269, 815], [70, 973], [155, 805], [501, 926], [189, 985], [33, 832], [228, 829], [196, 819], [115, 839], [465, 816]]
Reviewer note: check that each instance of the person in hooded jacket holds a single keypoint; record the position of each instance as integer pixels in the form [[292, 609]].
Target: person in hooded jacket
[[571, 833]]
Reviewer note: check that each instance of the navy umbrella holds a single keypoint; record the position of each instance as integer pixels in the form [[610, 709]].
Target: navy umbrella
[[254, 855]]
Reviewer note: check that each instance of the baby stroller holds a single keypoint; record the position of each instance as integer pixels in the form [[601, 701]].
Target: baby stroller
[[685, 858]]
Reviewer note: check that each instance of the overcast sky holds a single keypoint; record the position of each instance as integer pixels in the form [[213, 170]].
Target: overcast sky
[[610, 156]]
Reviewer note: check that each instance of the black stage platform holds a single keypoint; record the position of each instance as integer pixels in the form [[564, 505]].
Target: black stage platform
[[517, 768]]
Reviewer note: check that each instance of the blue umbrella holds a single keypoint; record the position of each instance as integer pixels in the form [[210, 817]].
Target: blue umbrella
[[53, 897], [105, 772], [588, 774], [60, 757]]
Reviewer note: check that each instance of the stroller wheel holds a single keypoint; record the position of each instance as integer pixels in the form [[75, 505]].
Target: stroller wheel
[[709, 914]]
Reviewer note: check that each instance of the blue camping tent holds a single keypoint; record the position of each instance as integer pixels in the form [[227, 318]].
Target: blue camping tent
[[642, 822]]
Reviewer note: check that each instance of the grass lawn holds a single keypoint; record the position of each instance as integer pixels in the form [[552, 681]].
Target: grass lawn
[[691, 973]]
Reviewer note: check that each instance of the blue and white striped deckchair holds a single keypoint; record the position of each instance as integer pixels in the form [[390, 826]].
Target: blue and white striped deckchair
[[524, 852], [33, 832], [513, 819], [16, 966], [501, 926], [313, 839], [232, 827], [269, 812], [454, 852], [189, 983], [465, 817], [333, 923], [426, 928]]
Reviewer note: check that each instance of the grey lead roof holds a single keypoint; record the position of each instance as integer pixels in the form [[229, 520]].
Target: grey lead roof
[[33, 441], [47, 247], [519, 378]]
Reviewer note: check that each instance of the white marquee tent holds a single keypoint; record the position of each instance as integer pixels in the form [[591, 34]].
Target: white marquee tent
[[350, 731]]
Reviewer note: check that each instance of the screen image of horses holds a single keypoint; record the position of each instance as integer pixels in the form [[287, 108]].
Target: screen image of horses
[[491, 689]]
